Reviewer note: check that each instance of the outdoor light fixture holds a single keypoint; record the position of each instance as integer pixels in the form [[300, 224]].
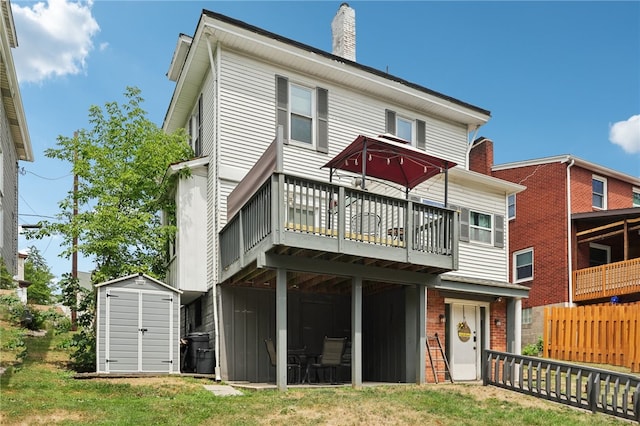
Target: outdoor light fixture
[[442, 318], [497, 322]]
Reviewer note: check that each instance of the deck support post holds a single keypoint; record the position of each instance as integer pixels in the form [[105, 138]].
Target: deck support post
[[356, 332], [421, 329], [281, 329]]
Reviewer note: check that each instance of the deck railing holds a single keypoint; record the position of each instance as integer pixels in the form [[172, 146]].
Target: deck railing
[[287, 204], [593, 389], [612, 279]]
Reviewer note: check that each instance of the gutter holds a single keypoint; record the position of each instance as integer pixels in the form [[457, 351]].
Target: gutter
[[571, 162]]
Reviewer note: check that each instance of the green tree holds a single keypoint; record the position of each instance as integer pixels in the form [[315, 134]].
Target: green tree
[[38, 273], [121, 165], [6, 280]]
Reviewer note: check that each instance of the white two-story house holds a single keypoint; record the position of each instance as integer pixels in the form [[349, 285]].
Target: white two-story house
[[284, 235]]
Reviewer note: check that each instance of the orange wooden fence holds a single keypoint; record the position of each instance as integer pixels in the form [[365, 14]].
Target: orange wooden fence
[[602, 334]]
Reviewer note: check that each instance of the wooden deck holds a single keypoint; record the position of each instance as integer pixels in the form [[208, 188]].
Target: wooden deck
[[605, 281]]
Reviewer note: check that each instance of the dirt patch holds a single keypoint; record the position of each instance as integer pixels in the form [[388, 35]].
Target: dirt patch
[[482, 393], [53, 417], [159, 382]]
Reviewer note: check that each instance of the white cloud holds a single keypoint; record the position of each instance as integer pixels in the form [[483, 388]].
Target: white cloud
[[626, 134], [54, 38]]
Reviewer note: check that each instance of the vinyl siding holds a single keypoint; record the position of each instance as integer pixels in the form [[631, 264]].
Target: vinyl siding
[[9, 240], [247, 119], [476, 260], [246, 125]]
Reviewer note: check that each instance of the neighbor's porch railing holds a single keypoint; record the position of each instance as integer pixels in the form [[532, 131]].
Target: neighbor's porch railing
[[612, 279], [287, 204], [593, 389]]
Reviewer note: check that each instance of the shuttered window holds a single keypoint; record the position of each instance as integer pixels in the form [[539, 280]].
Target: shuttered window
[[403, 128], [481, 227], [303, 112]]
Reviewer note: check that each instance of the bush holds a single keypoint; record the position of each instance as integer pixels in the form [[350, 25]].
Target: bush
[[534, 349], [13, 341]]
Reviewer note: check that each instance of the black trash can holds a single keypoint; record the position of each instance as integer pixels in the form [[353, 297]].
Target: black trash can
[[205, 361], [195, 342]]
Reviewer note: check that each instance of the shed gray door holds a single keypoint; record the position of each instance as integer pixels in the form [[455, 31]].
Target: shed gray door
[[122, 335], [156, 331], [140, 331]]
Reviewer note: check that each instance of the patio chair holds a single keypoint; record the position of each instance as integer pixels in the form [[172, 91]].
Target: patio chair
[[366, 224], [293, 364], [331, 358]]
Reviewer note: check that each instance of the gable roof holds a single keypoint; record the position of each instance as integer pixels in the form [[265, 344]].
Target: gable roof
[[232, 34], [128, 277], [567, 158]]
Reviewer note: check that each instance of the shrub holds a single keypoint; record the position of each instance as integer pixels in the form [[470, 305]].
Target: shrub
[[533, 349]]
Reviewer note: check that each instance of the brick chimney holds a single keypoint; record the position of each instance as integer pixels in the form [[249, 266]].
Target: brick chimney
[[481, 156], [343, 31]]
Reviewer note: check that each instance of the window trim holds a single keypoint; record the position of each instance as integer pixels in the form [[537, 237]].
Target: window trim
[[509, 204], [491, 229], [313, 116], [319, 119], [515, 265], [410, 122], [418, 128], [604, 192], [633, 192]]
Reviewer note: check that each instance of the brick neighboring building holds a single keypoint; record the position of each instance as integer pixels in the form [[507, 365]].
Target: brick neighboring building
[[558, 230]]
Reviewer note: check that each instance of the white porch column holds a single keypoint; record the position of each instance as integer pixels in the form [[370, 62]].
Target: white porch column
[[356, 332], [281, 329]]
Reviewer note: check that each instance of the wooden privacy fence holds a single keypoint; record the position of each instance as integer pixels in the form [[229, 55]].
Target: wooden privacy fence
[[603, 334]]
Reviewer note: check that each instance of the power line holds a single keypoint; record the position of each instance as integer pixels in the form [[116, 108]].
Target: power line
[[43, 177], [36, 215]]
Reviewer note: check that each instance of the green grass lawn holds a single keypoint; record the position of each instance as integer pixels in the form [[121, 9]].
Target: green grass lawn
[[39, 390]]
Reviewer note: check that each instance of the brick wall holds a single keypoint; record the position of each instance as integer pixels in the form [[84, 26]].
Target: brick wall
[[541, 222], [619, 193], [436, 307], [481, 156]]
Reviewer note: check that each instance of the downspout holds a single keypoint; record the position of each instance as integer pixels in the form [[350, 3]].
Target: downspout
[[216, 326], [569, 236]]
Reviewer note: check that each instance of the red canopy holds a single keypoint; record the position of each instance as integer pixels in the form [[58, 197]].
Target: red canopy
[[389, 159]]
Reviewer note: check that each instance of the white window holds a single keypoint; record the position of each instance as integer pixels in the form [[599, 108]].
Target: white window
[[636, 197], [511, 206], [404, 128], [527, 316], [599, 191], [302, 113], [599, 254], [408, 129], [195, 129], [480, 227], [523, 265]]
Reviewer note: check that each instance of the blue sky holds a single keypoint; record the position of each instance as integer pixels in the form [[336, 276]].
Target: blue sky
[[558, 77]]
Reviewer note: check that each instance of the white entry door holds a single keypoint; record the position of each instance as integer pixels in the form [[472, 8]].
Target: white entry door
[[465, 341]]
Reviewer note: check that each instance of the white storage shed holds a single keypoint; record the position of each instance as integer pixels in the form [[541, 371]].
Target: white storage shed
[[138, 323]]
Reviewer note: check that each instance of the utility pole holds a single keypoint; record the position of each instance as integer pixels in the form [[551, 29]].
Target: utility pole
[[74, 243]]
